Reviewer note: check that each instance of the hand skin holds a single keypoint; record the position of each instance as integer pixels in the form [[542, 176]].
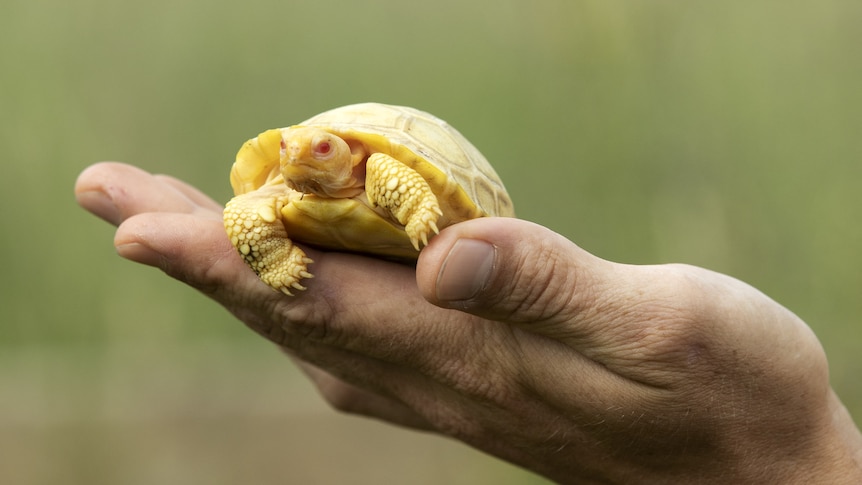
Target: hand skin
[[512, 339]]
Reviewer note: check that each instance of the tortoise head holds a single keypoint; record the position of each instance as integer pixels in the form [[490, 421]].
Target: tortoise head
[[315, 161]]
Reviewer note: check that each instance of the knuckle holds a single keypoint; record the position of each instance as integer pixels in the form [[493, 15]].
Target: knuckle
[[543, 287], [673, 324], [304, 318]]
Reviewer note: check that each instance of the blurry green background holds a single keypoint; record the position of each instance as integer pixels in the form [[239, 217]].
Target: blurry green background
[[722, 134]]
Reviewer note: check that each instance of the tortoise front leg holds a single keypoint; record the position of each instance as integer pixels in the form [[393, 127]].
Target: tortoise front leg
[[403, 193], [255, 229]]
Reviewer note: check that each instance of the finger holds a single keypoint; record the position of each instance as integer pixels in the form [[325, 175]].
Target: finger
[[348, 291], [508, 269], [193, 194], [192, 249], [197, 252], [116, 191], [357, 304], [646, 323], [363, 320], [519, 272]]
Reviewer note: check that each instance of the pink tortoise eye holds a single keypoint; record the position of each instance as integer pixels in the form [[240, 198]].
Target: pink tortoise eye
[[323, 148]]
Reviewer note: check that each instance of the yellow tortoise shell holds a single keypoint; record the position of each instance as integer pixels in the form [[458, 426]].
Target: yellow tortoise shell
[[464, 182]]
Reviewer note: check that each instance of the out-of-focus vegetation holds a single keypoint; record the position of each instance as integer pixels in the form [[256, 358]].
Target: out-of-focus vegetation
[[722, 134]]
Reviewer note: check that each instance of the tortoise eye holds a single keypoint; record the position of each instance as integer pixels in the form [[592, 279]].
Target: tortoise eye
[[323, 148]]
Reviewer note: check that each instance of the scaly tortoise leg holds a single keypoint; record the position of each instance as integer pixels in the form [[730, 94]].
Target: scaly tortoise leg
[[405, 194], [255, 229]]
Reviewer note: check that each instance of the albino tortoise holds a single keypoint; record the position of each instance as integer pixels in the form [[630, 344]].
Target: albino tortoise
[[367, 178]]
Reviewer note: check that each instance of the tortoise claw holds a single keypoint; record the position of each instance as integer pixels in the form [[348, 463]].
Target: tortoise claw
[[264, 244]]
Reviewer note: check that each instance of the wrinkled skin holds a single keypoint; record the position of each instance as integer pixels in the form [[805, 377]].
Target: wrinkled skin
[[512, 339]]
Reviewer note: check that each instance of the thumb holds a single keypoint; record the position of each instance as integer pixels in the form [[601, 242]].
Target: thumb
[[511, 270]]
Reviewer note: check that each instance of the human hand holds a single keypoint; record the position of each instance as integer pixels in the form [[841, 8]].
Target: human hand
[[512, 339]]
